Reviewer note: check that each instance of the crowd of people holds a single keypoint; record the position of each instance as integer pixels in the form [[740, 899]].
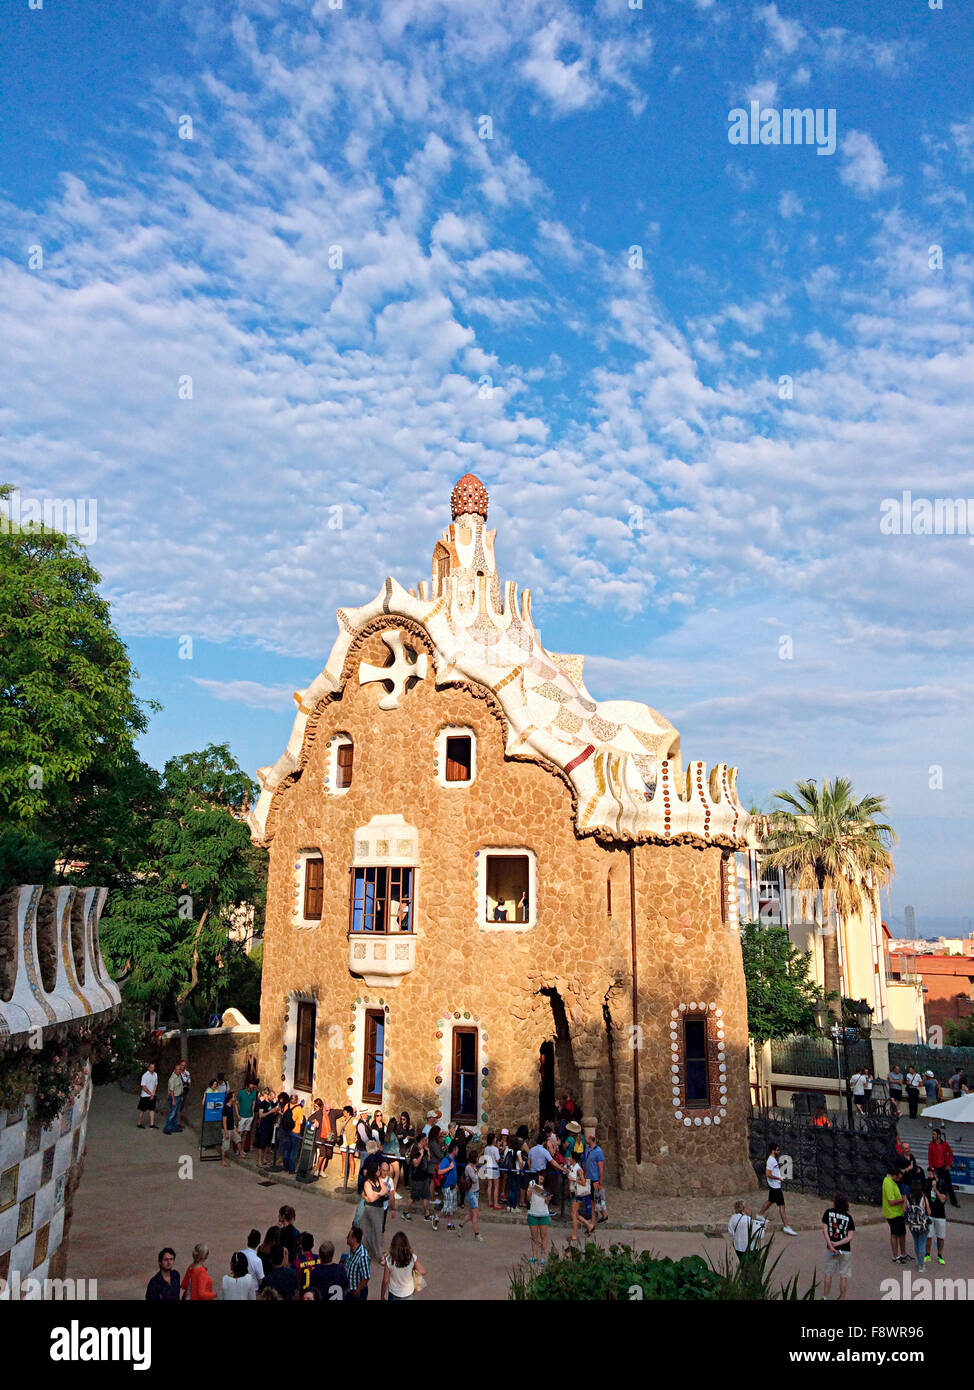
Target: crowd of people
[[396, 1167], [919, 1089]]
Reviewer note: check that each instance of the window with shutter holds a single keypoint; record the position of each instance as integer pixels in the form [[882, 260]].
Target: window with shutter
[[381, 899], [458, 759], [375, 1032], [463, 1099], [346, 752], [314, 887], [304, 1047]]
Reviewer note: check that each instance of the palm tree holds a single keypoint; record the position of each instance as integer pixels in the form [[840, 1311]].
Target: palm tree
[[828, 841]]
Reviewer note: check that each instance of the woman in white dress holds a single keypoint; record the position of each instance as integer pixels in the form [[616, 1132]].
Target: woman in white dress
[[492, 1171]]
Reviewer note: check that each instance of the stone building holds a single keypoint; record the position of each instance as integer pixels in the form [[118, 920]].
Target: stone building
[[487, 887]]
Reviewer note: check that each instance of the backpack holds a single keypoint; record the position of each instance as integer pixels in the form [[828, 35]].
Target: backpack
[[287, 1121], [917, 1219], [466, 1183]]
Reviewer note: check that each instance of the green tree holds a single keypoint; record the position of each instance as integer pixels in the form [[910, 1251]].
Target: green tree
[[834, 845], [780, 996], [960, 1032], [170, 931], [68, 717]]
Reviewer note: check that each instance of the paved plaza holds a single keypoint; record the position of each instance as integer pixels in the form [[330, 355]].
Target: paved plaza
[[133, 1200]]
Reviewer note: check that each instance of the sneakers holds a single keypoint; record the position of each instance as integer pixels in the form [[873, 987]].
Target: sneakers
[[406, 1216], [789, 1231], [926, 1259], [481, 1239], [940, 1260]]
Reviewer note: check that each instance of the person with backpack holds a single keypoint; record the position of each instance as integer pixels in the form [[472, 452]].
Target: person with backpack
[[838, 1228], [918, 1220], [289, 1131], [418, 1179], [446, 1179]]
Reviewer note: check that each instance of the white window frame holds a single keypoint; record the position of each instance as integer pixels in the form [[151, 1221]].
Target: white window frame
[[509, 852], [455, 731]]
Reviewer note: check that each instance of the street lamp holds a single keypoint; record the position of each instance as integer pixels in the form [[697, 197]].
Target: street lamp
[[835, 1032]]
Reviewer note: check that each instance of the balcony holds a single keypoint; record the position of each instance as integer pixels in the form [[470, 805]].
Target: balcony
[[381, 958]]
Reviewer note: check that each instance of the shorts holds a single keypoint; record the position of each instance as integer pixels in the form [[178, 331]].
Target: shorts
[[840, 1264], [776, 1196], [449, 1200], [539, 1220], [243, 1125], [147, 1102], [473, 1200], [897, 1225], [419, 1191], [938, 1227]]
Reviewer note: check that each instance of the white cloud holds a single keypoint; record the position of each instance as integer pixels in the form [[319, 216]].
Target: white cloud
[[863, 167], [790, 205], [783, 34], [248, 693]]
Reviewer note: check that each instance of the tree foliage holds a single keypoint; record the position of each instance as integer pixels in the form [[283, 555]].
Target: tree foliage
[[170, 931], [68, 717], [780, 996]]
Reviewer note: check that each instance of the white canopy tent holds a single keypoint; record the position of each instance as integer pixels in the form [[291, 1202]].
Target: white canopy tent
[[957, 1112]]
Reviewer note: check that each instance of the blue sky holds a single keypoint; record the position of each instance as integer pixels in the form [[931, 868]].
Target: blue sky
[[675, 515]]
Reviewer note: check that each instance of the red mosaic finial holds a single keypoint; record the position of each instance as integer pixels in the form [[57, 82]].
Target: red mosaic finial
[[469, 495]]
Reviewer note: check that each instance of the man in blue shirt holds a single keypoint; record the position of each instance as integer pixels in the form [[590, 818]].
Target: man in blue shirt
[[447, 1168], [594, 1170]]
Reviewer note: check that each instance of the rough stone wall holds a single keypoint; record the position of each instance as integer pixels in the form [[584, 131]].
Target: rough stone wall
[[495, 976], [208, 1053]]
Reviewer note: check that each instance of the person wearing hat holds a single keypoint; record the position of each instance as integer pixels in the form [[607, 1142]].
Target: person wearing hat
[[579, 1186], [930, 1089], [432, 1116]]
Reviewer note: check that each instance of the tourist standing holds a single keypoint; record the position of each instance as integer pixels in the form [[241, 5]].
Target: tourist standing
[[370, 1214], [288, 1233], [249, 1253], [838, 1228], [446, 1171], [197, 1285], [896, 1081], [246, 1102], [228, 1143], [175, 1092], [267, 1114], [579, 1189], [283, 1278], [893, 1205], [418, 1178], [857, 1084], [744, 1230], [492, 1171], [307, 1259], [471, 1175], [908, 1170], [328, 1277], [776, 1196], [956, 1083], [392, 1148], [399, 1270], [938, 1217], [913, 1083], [239, 1286], [148, 1086], [184, 1072], [595, 1172], [358, 1267], [940, 1157], [539, 1219], [163, 1287], [930, 1089], [917, 1217]]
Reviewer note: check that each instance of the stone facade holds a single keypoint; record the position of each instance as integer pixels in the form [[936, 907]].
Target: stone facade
[[637, 833]]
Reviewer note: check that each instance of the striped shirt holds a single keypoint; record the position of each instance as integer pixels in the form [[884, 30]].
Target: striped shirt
[[357, 1268]]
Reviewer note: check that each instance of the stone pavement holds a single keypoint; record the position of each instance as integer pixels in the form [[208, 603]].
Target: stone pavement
[[143, 1190]]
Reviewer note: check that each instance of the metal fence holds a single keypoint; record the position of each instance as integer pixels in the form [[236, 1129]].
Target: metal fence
[[807, 1056], [825, 1161], [942, 1061]]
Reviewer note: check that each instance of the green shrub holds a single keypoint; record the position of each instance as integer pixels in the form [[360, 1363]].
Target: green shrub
[[619, 1274]]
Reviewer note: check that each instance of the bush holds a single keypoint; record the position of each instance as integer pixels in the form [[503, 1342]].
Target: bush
[[619, 1274]]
